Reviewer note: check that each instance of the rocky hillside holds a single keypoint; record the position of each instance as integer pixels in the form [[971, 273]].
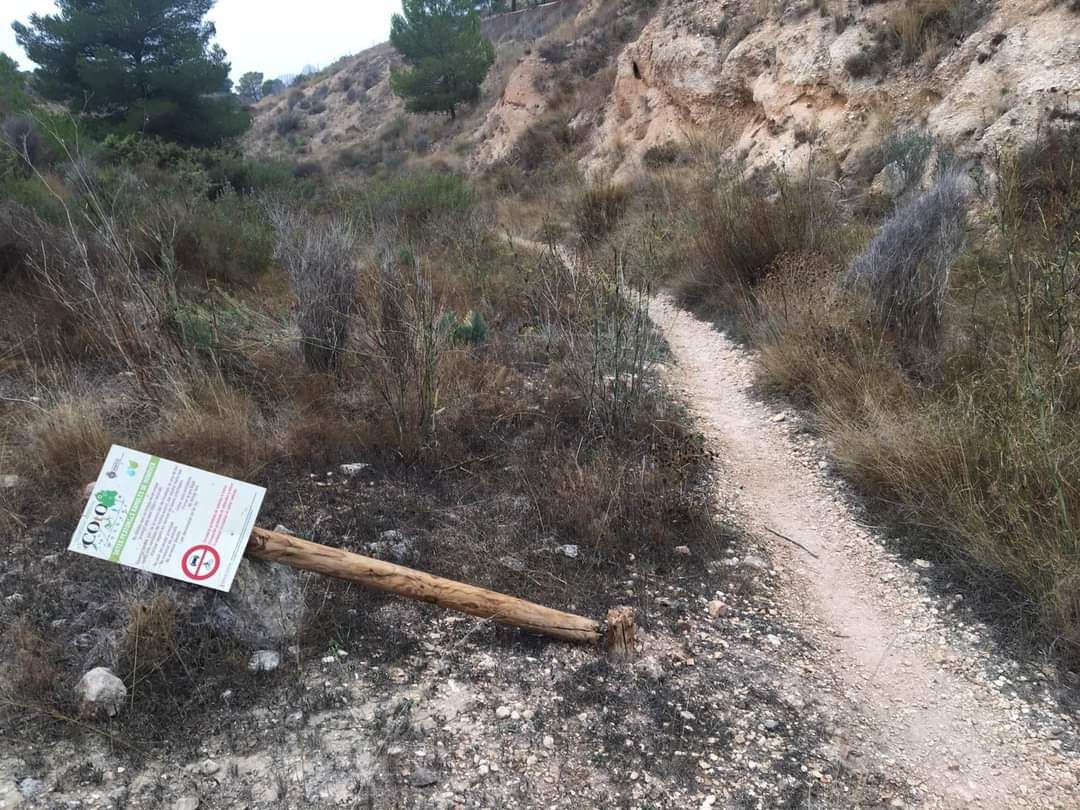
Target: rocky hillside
[[782, 81]]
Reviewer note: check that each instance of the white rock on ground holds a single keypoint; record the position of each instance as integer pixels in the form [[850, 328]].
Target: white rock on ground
[[264, 661], [100, 692]]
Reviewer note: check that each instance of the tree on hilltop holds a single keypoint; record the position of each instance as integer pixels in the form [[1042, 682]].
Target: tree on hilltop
[[447, 54], [250, 86]]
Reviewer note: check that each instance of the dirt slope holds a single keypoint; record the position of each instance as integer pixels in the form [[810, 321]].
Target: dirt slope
[[782, 83], [899, 655]]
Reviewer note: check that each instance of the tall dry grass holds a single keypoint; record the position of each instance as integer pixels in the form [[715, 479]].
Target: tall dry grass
[[978, 447]]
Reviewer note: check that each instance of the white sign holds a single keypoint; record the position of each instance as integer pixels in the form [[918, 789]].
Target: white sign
[[168, 519]]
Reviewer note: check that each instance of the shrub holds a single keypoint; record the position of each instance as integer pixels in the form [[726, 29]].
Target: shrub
[[414, 199], [226, 240], [871, 59], [598, 211], [905, 269], [543, 144], [555, 52], [363, 156], [318, 256], [662, 155], [287, 122], [404, 333], [470, 329], [1037, 188], [917, 25], [214, 324], [307, 169], [317, 108], [20, 135], [739, 230]]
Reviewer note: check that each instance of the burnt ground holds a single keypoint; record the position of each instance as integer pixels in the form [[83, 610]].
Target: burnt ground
[[385, 703]]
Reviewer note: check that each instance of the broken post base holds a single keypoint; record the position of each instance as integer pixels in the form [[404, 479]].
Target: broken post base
[[621, 633]]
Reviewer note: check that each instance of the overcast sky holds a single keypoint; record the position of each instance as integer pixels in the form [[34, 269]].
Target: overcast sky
[[271, 36]]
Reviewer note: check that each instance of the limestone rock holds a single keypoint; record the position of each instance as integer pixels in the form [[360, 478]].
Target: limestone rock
[[264, 606], [890, 182], [100, 693]]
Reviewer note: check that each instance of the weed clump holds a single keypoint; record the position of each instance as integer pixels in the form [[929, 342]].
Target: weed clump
[[740, 230], [318, 256], [905, 269], [598, 211]]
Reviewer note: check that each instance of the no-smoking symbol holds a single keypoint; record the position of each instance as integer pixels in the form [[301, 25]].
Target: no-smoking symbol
[[200, 562]]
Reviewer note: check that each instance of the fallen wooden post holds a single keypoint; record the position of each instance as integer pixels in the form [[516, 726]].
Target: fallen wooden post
[[384, 576]]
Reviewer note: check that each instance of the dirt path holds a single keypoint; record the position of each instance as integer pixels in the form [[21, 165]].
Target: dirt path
[[955, 732]]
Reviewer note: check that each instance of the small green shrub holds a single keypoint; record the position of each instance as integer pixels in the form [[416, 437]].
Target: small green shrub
[[226, 240], [470, 329], [214, 324], [414, 199]]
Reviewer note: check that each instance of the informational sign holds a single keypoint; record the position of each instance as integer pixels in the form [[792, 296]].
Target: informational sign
[[169, 519]]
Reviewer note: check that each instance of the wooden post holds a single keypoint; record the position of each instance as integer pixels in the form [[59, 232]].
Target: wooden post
[[621, 631], [384, 576]]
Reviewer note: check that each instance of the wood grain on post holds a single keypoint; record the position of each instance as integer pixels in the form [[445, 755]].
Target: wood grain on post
[[384, 576], [621, 633]]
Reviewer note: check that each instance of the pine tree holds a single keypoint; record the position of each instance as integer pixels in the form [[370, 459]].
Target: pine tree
[[138, 65], [447, 54], [250, 86]]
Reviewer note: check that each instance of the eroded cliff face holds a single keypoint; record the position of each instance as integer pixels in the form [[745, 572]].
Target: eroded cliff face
[[787, 86], [776, 83], [802, 80]]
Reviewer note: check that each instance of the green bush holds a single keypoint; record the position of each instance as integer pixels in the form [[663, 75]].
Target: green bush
[[414, 199], [218, 169], [470, 329], [214, 324], [227, 240]]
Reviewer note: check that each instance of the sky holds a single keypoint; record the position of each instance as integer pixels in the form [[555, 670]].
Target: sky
[[274, 37]]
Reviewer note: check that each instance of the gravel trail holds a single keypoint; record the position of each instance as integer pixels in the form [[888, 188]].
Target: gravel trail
[[965, 740]]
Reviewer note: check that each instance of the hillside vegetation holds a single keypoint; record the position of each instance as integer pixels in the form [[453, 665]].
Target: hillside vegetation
[[879, 198]]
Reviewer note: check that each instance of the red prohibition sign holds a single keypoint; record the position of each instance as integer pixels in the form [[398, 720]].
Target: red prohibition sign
[[200, 562]]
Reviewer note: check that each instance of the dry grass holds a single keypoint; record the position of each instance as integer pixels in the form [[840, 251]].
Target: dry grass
[[214, 426], [598, 211], [980, 451], [150, 639], [919, 25], [63, 446], [740, 228]]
